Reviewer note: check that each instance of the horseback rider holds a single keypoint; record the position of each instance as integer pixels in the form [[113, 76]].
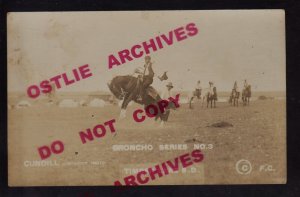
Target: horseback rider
[[211, 85], [235, 87], [198, 89], [146, 78], [245, 84]]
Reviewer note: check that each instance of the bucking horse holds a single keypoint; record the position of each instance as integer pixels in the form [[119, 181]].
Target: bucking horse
[[125, 88]]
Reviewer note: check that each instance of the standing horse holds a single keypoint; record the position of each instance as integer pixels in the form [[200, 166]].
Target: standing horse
[[210, 97], [125, 88], [246, 95], [234, 98], [196, 93]]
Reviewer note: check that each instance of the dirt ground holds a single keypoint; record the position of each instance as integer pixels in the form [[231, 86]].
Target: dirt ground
[[257, 134]]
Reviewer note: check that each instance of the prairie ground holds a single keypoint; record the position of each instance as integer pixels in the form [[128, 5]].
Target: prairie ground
[[257, 134]]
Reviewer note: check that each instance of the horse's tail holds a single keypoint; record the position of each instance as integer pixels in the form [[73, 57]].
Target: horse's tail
[[117, 92]]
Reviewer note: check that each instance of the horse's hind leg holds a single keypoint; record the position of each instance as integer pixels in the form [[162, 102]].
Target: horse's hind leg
[[125, 103]]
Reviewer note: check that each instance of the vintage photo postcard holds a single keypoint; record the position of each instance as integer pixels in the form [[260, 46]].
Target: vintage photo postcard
[[136, 98]]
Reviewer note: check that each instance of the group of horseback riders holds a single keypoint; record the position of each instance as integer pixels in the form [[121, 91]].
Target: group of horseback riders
[[198, 89], [235, 86], [235, 94], [211, 94], [137, 87]]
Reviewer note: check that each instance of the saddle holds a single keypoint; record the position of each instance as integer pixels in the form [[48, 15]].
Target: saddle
[[151, 92]]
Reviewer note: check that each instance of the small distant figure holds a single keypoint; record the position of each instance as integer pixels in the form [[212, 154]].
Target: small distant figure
[[246, 94], [211, 85], [211, 95], [198, 89], [167, 92], [245, 83], [235, 94], [195, 93], [235, 86]]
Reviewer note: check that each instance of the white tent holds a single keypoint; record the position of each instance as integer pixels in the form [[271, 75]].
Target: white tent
[[23, 103], [68, 103], [97, 103]]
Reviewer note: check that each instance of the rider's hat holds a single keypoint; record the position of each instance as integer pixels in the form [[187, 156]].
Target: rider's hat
[[170, 85]]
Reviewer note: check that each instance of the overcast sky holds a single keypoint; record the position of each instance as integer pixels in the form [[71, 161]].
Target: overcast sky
[[230, 45]]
